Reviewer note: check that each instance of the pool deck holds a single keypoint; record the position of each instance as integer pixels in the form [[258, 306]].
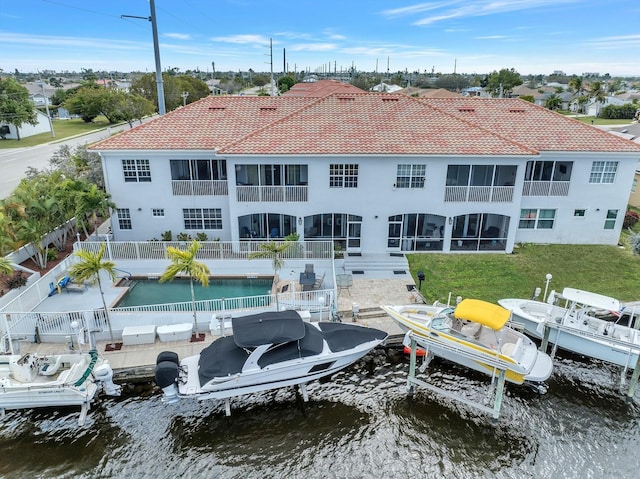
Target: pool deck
[[137, 362]]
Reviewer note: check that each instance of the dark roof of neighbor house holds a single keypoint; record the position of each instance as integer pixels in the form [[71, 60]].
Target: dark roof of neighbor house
[[365, 123]]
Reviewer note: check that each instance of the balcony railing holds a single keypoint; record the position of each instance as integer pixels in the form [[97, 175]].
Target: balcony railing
[[272, 193], [489, 194], [545, 188], [199, 187]]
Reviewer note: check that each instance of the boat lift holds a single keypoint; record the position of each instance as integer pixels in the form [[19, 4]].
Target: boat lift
[[548, 326], [498, 379]]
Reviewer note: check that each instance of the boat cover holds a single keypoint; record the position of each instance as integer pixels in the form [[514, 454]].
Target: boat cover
[[594, 300], [271, 327], [488, 314], [342, 337], [221, 358]]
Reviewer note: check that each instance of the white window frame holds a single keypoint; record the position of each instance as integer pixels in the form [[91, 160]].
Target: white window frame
[[157, 212], [411, 176], [603, 172], [343, 175], [124, 219], [610, 221], [537, 218], [206, 218], [136, 171]]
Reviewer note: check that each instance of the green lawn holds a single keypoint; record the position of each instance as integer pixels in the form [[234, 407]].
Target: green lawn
[[62, 129], [592, 120], [607, 270]]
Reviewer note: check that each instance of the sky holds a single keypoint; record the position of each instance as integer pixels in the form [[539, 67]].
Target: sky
[[444, 36]]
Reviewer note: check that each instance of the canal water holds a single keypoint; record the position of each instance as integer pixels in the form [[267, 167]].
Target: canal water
[[362, 424]]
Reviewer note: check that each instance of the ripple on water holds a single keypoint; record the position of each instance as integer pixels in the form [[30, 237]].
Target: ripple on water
[[361, 424]]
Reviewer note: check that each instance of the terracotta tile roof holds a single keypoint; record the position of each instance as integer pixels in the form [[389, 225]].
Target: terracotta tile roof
[[376, 124], [365, 123], [207, 124], [531, 125], [321, 88]]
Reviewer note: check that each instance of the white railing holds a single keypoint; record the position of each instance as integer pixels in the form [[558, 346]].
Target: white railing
[[493, 194], [272, 193], [38, 291], [56, 326], [210, 250], [199, 187], [545, 188]]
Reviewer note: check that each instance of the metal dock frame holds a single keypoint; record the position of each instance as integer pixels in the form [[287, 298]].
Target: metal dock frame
[[497, 380], [559, 328]]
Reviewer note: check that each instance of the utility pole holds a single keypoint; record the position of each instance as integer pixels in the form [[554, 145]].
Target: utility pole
[[156, 50], [46, 105], [271, 64], [184, 96]]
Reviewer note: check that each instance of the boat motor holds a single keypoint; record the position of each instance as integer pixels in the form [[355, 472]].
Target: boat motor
[[167, 373], [104, 377]]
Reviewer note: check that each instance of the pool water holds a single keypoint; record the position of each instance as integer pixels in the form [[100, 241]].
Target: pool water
[[143, 292]]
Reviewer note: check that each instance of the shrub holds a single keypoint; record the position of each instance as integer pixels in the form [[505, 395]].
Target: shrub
[[635, 243], [167, 236], [52, 255], [183, 237], [202, 237], [18, 280], [630, 219]]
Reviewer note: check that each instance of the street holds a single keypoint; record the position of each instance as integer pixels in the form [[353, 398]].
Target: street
[[15, 161]]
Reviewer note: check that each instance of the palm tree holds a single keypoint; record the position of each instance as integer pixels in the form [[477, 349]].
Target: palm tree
[[184, 261], [272, 251], [88, 269], [6, 266], [554, 102], [598, 93]]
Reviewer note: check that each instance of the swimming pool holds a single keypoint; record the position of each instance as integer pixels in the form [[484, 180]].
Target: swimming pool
[[144, 292]]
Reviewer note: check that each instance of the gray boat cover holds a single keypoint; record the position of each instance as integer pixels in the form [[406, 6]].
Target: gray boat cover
[[271, 327]]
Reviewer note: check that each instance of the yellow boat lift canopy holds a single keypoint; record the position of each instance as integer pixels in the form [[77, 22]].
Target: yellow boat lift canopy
[[487, 314]]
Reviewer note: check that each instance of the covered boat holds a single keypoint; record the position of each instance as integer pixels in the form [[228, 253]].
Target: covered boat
[[267, 350], [72, 379], [475, 334], [575, 325]]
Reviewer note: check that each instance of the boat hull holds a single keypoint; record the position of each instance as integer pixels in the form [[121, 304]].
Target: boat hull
[[533, 367], [288, 373], [587, 336]]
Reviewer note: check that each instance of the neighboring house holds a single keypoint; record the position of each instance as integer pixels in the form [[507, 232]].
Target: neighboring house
[[593, 107], [372, 172], [430, 92], [634, 197], [566, 99], [383, 87], [11, 132], [320, 88]]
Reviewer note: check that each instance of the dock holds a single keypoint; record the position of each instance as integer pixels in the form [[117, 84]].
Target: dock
[[359, 304]]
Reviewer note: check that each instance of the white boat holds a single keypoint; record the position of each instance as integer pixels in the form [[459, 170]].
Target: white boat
[[268, 350], [72, 379], [576, 327], [475, 335]]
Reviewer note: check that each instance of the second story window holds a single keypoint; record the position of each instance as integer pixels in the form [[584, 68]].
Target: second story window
[[136, 170], [603, 172], [198, 169], [343, 176], [411, 176]]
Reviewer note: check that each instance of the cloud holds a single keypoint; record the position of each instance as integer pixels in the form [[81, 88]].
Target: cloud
[[618, 41], [473, 8], [492, 37], [74, 42], [243, 39], [177, 36], [313, 47]]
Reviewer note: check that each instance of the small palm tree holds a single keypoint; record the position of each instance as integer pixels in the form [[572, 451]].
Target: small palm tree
[[88, 269], [6, 266], [184, 261], [272, 251]]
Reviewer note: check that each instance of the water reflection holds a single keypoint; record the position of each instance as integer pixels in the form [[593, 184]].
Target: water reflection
[[362, 424]]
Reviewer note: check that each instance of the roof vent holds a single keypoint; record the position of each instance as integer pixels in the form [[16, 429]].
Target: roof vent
[[345, 98], [516, 110], [217, 108], [466, 110], [390, 98], [268, 108]]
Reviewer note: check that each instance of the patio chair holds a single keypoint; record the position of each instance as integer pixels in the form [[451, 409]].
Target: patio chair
[[319, 281], [308, 268]]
